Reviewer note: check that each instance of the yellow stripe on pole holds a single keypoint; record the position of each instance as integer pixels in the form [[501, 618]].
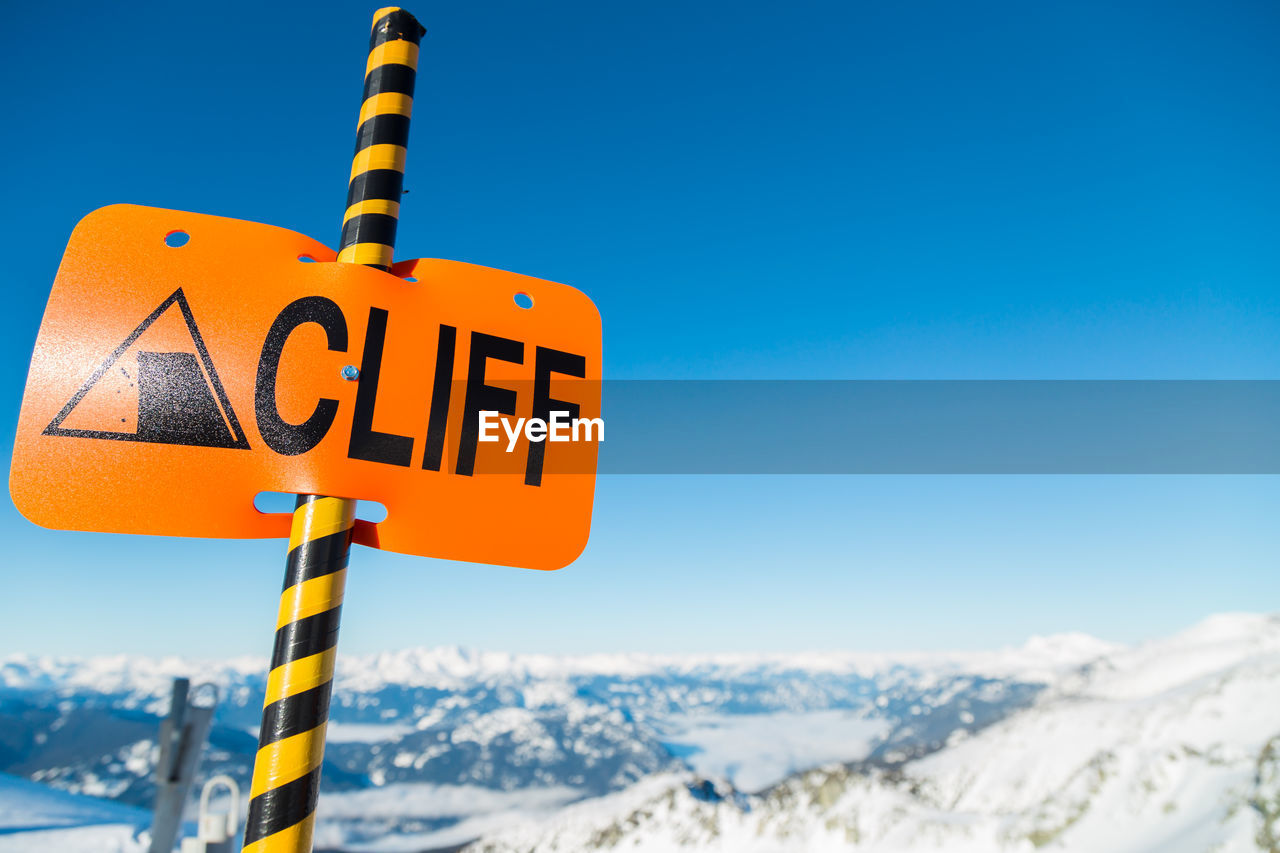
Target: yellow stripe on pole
[[393, 53], [299, 675], [292, 758], [311, 597], [373, 254], [322, 517], [385, 103], [378, 157], [372, 205]]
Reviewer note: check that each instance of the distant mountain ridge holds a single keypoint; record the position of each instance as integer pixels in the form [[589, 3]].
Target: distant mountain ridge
[[594, 723], [448, 667]]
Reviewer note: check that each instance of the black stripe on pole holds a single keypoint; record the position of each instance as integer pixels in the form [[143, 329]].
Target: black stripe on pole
[[371, 228], [318, 557], [294, 714], [375, 183], [392, 77], [282, 807], [383, 130], [306, 637]]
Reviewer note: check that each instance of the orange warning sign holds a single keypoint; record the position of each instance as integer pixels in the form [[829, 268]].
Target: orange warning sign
[[171, 384]]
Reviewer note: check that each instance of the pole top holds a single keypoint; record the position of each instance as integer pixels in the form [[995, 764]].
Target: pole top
[[391, 23]]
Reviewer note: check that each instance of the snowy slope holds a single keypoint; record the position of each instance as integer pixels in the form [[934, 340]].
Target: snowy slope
[[34, 817], [1170, 746]]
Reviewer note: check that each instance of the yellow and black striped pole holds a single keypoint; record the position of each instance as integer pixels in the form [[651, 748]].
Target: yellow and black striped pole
[[382, 134], [286, 771]]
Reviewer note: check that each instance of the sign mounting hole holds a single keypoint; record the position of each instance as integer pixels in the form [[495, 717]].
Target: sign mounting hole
[[371, 511], [306, 259], [175, 239], [524, 300], [272, 503]]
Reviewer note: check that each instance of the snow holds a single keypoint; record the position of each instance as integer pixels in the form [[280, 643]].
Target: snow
[[1171, 746], [81, 839], [358, 820], [753, 751], [34, 818], [364, 732]]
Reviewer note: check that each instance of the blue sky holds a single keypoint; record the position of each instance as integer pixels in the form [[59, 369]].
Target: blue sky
[[825, 190]]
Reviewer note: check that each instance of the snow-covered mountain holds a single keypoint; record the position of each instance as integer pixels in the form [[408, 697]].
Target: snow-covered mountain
[[1063, 743], [541, 729], [508, 722], [1170, 746]]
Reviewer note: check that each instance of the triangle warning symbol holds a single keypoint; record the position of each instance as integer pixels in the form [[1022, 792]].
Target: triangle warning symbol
[[159, 386]]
